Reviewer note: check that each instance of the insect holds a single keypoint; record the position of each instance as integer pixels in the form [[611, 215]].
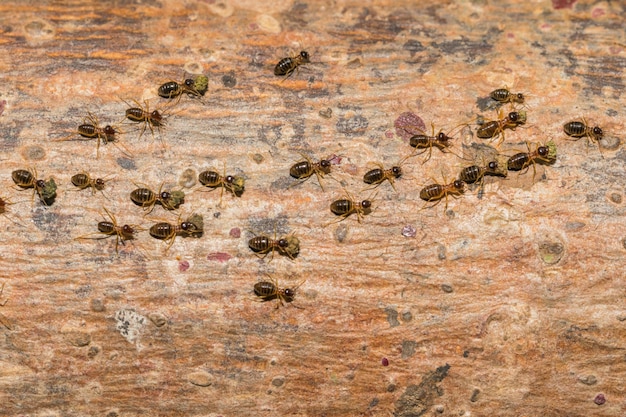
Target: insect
[[304, 169], [231, 183], [3, 320], [83, 180], [110, 228], [147, 198], [345, 207], [154, 119], [436, 192], [287, 66], [378, 175], [269, 290], [578, 129], [193, 87], [476, 173], [46, 190], [495, 127], [440, 141], [503, 95], [92, 129], [286, 246], [523, 160], [193, 226]]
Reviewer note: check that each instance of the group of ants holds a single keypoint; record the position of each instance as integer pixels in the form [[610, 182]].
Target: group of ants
[[289, 246]]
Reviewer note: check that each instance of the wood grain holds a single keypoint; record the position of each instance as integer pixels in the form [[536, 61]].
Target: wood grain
[[510, 302]]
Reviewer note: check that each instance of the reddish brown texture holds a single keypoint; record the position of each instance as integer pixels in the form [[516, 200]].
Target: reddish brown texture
[[563, 4]]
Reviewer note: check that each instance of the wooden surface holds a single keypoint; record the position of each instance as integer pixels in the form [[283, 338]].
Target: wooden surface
[[512, 304]]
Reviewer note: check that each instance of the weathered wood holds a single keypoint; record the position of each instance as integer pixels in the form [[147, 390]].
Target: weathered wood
[[511, 302]]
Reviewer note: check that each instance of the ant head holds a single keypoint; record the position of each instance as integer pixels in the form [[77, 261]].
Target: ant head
[[513, 116], [127, 230], [396, 171], [492, 165], [155, 115], [597, 132], [325, 163], [109, 130], [542, 151], [40, 183], [229, 179], [188, 227], [366, 204], [165, 195], [99, 183], [283, 243], [304, 55], [519, 97], [189, 82], [458, 184]]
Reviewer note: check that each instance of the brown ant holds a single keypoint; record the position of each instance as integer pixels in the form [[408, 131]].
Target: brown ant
[[263, 245], [578, 129], [503, 95], [193, 226], [193, 87], [346, 207], [440, 141], [437, 192], [147, 198], [231, 183], [46, 190], [154, 119], [110, 228], [91, 129], [269, 290], [83, 180], [287, 66], [493, 128], [523, 160], [303, 170]]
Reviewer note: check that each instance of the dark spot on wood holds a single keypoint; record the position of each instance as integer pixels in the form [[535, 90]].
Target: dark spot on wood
[[408, 348], [355, 125], [392, 317], [229, 80], [418, 399], [446, 288]]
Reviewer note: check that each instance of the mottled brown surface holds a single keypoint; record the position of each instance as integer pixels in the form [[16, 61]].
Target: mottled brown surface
[[512, 304]]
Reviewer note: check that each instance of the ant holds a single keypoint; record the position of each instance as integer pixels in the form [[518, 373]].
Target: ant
[[287, 66], [193, 87], [193, 226], [147, 198], [493, 128], [269, 290], [288, 245], [110, 228], [91, 129], [578, 129], [440, 141], [503, 95], [83, 180], [436, 192], [46, 190], [150, 119], [345, 207], [231, 183], [523, 160], [378, 175], [302, 170]]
